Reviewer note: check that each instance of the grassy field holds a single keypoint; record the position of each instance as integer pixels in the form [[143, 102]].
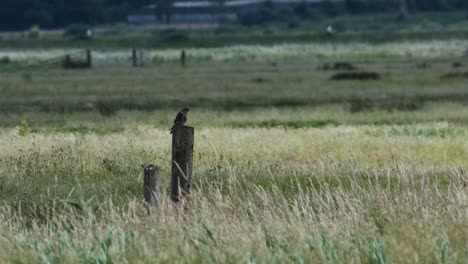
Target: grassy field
[[376, 28], [290, 166]]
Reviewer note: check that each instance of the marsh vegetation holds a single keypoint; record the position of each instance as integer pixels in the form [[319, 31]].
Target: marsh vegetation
[[290, 166]]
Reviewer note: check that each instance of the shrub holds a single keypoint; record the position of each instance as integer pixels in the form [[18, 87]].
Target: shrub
[[423, 65], [253, 18], [24, 129], [78, 31], [338, 66], [455, 75], [457, 64], [402, 104], [27, 77], [172, 35], [34, 32], [356, 76], [106, 108], [265, 15], [5, 60], [225, 29], [294, 23], [360, 105]]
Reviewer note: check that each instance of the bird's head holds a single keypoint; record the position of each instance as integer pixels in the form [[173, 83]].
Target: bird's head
[[185, 109]]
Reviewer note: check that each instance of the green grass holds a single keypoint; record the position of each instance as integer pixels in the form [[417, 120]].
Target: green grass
[[289, 166], [283, 81], [375, 28], [289, 194]]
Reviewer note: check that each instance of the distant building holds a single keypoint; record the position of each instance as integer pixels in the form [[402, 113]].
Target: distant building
[[210, 11]]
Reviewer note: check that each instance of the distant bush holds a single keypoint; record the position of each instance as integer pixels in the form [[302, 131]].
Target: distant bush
[[293, 23], [106, 108], [452, 75], [430, 5], [226, 29], [24, 129], [338, 66], [360, 105], [253, 18], [403, 104], [5, 60], [27, 77], [328, 8], [423, 65], [286, 124], [172, 35], [78, 31], [34, 32], [261, 80], [339, 26], [457, 64], [304, 11], [268, 14], [362, 7], [356, 76]]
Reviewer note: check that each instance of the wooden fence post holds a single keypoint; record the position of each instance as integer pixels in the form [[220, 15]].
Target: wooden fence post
[[89, 59], [183, 58], [67, 61], [152, 184], [134, 58], [140, 55], [182, 161]]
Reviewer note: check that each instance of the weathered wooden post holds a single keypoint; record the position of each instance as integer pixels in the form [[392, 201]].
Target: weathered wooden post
[[151, 184], [134, 58], [140, 53], [67, 61], [182, 161], [183, 58], [89, 59]]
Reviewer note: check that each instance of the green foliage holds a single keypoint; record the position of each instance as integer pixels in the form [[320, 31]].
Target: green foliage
[[23, 128], [362, 76], [289, 167], [457, 64], [27, 77], [402, 104], [34, 32], [5, 60], [227, 29], [455, 75], [76, 31], [378, 254], [106, 108], [285, 124], [82, 129], [172, 35]]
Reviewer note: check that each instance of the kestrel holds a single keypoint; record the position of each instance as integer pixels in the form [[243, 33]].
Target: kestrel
[[181, 118]]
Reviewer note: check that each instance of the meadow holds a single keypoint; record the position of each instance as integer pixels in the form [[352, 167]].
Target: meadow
[[290, 166]]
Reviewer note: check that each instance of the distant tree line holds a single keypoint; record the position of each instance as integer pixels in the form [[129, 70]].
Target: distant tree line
[[329, 8], [364, 6], [22, 14]]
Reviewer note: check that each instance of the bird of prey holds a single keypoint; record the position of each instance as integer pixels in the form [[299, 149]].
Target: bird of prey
[[181, 118]]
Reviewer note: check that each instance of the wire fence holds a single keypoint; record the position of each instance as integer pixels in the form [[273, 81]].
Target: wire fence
[[77, 60]]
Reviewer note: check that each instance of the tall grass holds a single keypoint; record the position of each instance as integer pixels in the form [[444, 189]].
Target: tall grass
[[353, 182], [262, 53], [329, 195]]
